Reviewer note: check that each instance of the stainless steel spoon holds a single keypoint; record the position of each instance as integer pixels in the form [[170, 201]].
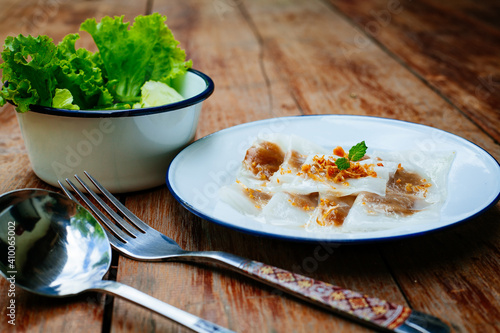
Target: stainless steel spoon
[[55, 247]]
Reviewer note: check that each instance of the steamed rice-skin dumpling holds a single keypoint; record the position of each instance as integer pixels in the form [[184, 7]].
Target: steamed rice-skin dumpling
[[288, 181]]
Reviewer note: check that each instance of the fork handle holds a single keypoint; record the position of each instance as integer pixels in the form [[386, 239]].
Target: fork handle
[[370, 311], [343, 301]]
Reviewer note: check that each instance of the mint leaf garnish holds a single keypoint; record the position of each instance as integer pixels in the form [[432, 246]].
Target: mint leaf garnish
[[355, 154], [342, 163], [358, 151]]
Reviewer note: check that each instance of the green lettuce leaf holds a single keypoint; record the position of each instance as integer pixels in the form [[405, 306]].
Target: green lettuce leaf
[[64, 100], [132, 56], [154, 93], [38, 72], [35, 67], [79, 72], [28, 68]]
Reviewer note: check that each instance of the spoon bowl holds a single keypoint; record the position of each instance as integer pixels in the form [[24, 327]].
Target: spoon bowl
[[56, 248], [60, 249]]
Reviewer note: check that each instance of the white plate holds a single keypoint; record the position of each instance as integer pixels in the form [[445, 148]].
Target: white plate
[[196, 174]]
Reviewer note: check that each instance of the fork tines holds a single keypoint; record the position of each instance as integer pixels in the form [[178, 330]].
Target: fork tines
[[120, 229]]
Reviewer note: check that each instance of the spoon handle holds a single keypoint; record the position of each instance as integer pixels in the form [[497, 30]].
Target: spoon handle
[[138, 297]]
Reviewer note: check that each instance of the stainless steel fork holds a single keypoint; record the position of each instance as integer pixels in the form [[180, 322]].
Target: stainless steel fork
[[135, 239]]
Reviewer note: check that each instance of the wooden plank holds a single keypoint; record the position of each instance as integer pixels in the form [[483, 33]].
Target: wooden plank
[[468, 299], [251, 84], [53, 18], [291, 53], [459, 268], [454, 258], [230, 299], [233, 58], [334, 76], [274, 59], [34, 312], [453, 46]]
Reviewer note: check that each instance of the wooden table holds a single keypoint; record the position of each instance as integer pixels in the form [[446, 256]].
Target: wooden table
[[431, 62]]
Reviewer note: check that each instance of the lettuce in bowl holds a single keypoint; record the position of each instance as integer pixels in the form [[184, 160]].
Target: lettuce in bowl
[[38, 72]]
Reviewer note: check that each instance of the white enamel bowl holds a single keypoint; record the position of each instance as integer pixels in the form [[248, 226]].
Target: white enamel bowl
[[126, 150]]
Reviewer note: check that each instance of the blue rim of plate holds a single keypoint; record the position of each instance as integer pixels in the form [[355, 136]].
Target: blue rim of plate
[[209, 89], [253, 232]]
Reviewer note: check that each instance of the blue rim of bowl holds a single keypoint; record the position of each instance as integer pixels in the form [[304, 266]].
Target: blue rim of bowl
[[132, 112]]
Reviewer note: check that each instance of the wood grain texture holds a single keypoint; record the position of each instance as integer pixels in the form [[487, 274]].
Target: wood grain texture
[[232, 300], [83, 313], [254, 87], [336, 76], [284, 58], [458, 268], [453, 46], [222, 43]]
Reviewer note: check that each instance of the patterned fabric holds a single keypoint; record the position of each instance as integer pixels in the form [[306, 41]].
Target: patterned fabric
[[370, 309]]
